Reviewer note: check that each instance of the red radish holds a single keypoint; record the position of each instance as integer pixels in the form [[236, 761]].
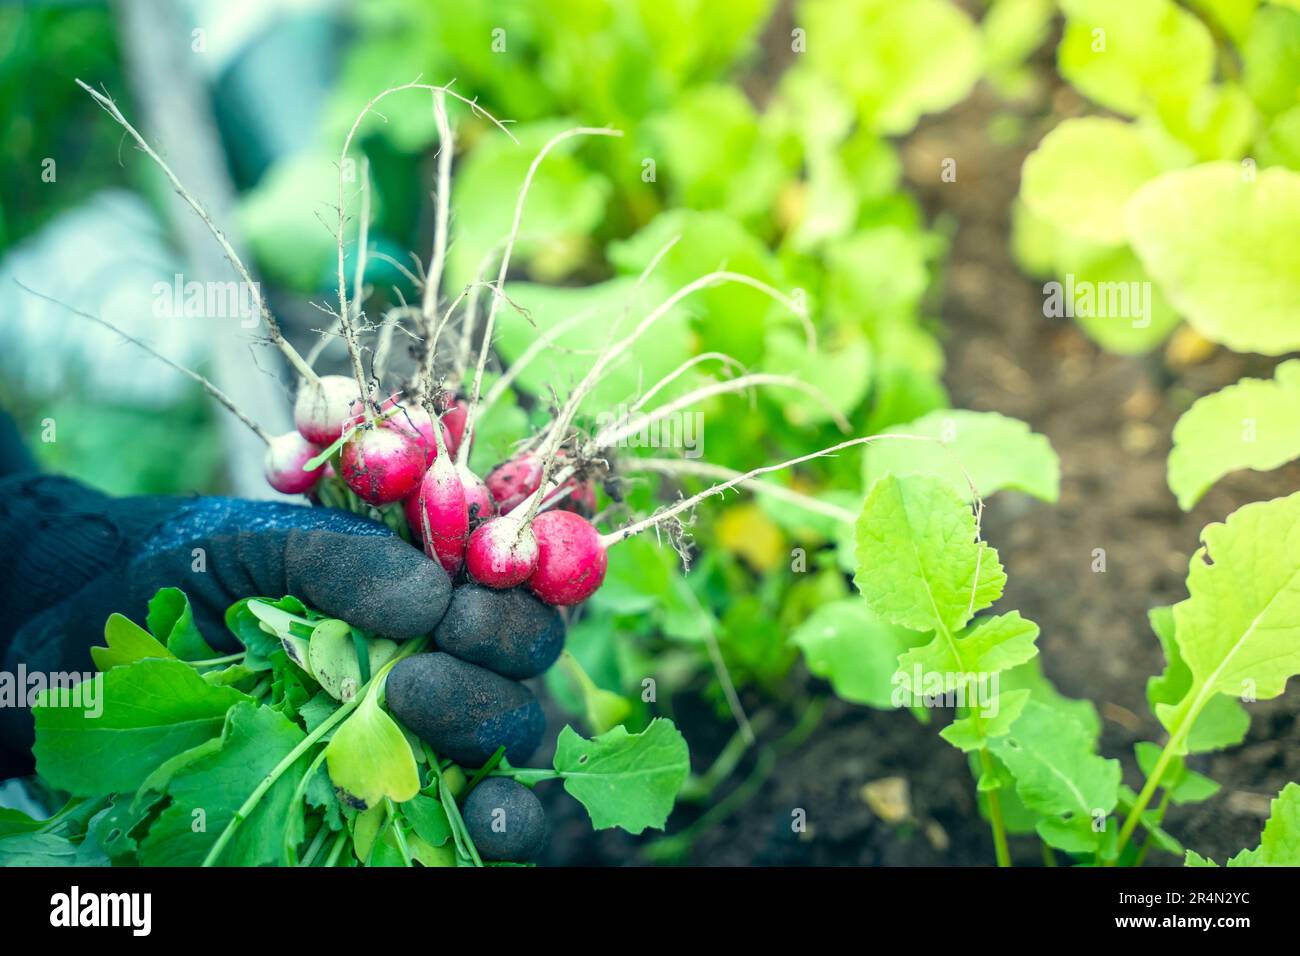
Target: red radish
[[323, 408], [513, 481], [382, 465], [409, 418], [416, 423], [443, 515], [478, 500], [477, 497], [285, 456], [571, 559], [453, 419], [502, 553]]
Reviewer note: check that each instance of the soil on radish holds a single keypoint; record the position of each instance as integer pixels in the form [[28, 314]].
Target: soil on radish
[[1109, 418]]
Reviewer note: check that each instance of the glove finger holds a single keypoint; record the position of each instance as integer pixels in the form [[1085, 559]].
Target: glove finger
[[378, 584], [510, 632], [210, 518]]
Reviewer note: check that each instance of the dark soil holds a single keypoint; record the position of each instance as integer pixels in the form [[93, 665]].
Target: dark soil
[[1109, 418]]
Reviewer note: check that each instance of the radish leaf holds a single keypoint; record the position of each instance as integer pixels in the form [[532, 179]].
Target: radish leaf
[[152, 710], [126, 642], [1223, 247], [369, 759], [1239, 631], [918, 557], [1252, 424], [998, 453], [624, 780], [213, 787], [857, 652]]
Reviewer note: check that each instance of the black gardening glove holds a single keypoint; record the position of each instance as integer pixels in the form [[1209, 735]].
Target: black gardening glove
[[70, 556]]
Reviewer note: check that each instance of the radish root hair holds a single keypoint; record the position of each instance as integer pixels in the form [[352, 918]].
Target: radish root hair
[[498, 289], [211, 389], [299, 364]]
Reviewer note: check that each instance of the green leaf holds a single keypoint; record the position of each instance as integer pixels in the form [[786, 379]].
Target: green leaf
[[878, 273], [857, 652], [244, 624], [1279, 845], [625, 780], [711, 153], [15, 821], [283, 621], [127, 642], [228, 676], [1086, 169], [596, 311], [1150, 821], [496, 432], [1114, 300], [111, 828], [1058, 775], [1239, 631], [602, 709], [152, 710], [428, 818], [995, 720], [365, 829], [918, 556], [726, 316], [998, 453], [1270, 54], [1252, 424], [1279, 144], [1231, 16], [565, 202], [369, 759], [1133, 55], [1222, 723], [281, 215], [896, 61], [1184, 786], [333, 655], [48, 850], [1029, 676], [989, 646], [1218, 122], [156, 783], [1011, 31], [1223, 247], [207, 792], [171, 620], [845, 360]]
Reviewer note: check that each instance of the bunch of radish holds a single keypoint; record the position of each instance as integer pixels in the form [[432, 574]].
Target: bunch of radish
[[401, 454]]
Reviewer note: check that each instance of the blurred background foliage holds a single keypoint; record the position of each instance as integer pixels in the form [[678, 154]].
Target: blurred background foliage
[[56, 156]]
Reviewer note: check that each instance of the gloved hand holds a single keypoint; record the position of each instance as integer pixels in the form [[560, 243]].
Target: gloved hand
[[70, 556]]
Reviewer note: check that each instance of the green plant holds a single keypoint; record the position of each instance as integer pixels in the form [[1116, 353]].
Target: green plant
[[914, 640], [1190, 197], [282, 754]]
